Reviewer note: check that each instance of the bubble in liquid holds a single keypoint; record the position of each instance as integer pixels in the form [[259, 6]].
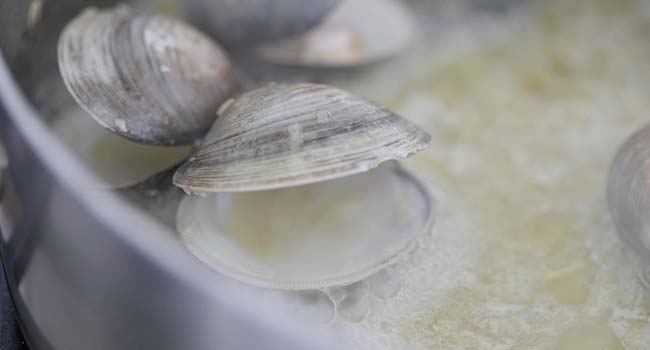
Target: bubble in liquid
[[355, 304], [336, 293], [314, 306], [354, 309], [386, 283]]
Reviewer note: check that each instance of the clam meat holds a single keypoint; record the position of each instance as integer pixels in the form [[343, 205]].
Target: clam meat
[[149, 78]]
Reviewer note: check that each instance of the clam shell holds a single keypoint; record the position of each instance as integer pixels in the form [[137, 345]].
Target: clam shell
[[151, 79], [315, 236], [237, 22], [115, 160], [357, 32], [286, 135], [628, 192]]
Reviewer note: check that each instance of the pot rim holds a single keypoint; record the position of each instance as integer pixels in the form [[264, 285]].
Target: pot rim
[[154, 240]]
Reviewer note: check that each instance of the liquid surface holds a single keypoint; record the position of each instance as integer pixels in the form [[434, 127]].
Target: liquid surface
[[526, 112], [114, 159], [525, 122]]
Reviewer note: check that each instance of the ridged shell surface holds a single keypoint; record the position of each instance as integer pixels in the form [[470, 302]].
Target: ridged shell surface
[[628, 192], [151, 79], [285, 135]]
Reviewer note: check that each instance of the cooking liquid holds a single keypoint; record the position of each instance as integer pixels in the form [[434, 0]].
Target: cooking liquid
[[114, 159], [524, 127], [526, 113]]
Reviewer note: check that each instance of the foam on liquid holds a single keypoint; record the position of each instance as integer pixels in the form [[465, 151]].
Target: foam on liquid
[[524, 255]]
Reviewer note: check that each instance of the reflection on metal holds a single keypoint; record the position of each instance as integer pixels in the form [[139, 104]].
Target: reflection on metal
[[34, 14]]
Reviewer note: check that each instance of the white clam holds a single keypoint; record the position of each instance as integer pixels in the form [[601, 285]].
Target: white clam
[[331, 233], [356, 32], [151, 79], [285, 135]]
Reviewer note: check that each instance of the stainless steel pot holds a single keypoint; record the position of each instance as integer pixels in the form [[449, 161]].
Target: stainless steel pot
[[86, 269]]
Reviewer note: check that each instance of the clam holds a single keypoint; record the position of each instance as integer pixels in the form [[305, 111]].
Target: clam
[[151, 79], [628, 192], [284, 135], [237, 22], [314, 236], [117, 161], [285, 204], [356, 32], [288, 205]]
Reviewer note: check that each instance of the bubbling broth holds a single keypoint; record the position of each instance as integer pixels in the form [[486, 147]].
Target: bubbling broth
[[526, 111], [525, 125]]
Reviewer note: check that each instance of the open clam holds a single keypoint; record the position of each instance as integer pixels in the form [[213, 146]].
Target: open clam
[[151, 79], [356, 32], [284, 135], [330, 233], [237, 23], [293, 229]]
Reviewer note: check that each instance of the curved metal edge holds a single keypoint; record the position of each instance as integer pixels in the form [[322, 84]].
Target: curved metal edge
[[31, 334], [162, 249]]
